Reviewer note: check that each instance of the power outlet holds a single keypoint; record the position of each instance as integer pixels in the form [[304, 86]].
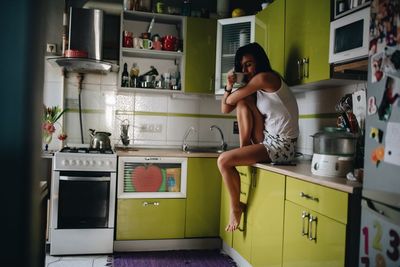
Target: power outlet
[[235, 127], [151, 128], [51, 48]]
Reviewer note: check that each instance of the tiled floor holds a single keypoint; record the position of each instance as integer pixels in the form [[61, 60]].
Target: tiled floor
[[79, 261]]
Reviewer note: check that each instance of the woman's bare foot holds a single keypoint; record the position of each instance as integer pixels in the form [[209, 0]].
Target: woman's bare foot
[[234, 218]]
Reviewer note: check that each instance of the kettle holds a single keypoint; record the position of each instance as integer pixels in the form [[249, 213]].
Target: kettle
[[99, 140]]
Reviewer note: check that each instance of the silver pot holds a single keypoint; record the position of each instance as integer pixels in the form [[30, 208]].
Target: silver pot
[[99, 140], [334, 141]]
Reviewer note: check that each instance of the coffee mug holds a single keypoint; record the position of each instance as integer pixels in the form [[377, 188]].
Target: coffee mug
[[240, 78], [136, 42], [146, 44], [157, 45], [128, 39]]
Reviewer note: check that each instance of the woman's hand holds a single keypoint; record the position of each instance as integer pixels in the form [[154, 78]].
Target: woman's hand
[[230, 79]]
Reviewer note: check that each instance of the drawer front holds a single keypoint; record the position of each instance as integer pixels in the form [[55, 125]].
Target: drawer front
[[150, 219], [327, 201], [245, 174]]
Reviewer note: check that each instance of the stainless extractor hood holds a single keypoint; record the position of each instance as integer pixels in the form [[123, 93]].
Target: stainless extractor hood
[[85, 34]]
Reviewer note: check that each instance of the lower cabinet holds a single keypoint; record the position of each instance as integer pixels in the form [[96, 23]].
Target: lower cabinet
[[312, 239], [315, 225], [260, 237], [197, 215], [150, 219], [266, 211], [203, 198]]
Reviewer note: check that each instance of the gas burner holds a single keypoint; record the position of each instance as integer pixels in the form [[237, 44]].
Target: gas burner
[[86, 150]]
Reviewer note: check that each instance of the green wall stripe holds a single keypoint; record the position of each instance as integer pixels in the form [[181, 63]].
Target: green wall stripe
[[168, 114]]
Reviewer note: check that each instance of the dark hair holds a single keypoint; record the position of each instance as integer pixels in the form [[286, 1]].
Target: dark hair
[[256, 50]]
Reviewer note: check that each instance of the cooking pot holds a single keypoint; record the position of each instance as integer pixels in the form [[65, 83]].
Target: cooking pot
[[334, 141], [99, 140]]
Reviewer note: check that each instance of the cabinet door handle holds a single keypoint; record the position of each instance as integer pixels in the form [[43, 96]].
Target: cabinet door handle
[[305, 67], [242, 193], [145, 203], [304, 195], [310, 232], [212, 82], [299, 69], [304, 218]]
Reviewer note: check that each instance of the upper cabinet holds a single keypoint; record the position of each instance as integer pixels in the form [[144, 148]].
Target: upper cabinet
[[232, 33], [166, 53], [306, 41], [270, 33], [200, 55]]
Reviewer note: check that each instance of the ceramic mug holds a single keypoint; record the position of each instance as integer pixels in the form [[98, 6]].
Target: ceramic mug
[[128, 39], [146, 44], [136, 42], [157, 45]]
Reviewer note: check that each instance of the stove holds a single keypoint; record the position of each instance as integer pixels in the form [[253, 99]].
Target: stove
[[85, 159], [86, 150], [83, 201]]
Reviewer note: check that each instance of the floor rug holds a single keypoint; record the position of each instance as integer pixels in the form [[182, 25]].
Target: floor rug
[[173, 258]]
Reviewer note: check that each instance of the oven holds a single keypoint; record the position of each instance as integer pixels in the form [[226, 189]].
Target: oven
[[83, 202]]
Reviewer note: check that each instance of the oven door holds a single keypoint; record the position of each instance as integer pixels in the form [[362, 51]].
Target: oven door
[[84, 200], [349, 37]]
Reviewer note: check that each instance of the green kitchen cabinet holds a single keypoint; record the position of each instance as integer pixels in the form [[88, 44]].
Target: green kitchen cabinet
[[266, 212], [260, 235], [226, 237], [315, 225], [270, 33], [203, 198], [144, 219], [199, 48], [242, 237], [307, 41]]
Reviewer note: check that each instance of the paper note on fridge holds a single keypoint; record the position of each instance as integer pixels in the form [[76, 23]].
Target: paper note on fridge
[[392, 141]]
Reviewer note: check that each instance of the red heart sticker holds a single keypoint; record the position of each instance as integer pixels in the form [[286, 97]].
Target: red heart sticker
[[147, 179]]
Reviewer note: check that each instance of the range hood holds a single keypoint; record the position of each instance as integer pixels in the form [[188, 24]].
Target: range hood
[[85, 34]]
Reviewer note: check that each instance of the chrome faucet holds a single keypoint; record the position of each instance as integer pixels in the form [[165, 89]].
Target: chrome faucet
[[185, 146], [223, 144]]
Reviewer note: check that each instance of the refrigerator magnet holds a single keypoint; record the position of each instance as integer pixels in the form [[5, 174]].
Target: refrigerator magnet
[[377, 155], [372, 105], [376, 134], [392, 140], [390, 95]]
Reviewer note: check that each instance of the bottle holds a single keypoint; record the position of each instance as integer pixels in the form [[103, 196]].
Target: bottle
[[134, 75], [186, 8], [125, 76]]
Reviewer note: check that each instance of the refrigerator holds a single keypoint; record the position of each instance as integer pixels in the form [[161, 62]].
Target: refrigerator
[[380, 205]]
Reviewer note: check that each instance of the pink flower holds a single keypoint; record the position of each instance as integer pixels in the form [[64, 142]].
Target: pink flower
[[62, 136], [49, 127]]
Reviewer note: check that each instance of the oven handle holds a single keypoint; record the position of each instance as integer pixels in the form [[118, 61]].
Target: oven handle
[[85, 179]]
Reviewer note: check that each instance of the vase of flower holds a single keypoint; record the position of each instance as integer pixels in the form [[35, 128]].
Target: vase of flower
[[47, 137], [51, 115]]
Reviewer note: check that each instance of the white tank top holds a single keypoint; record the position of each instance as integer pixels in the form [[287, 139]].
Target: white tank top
[[280, 111]]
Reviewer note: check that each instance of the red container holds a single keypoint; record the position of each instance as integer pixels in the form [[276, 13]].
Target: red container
[[169, 43]]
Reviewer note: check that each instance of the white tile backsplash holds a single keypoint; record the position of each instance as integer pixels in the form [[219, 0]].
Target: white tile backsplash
[[106, 108]]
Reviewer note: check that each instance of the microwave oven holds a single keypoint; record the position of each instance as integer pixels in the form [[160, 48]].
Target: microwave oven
[[349, 37]]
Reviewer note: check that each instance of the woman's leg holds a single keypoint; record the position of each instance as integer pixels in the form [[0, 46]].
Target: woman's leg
[[226, 163], [250, 121]]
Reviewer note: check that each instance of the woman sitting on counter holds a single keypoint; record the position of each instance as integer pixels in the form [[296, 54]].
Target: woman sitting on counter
[[267, 115]]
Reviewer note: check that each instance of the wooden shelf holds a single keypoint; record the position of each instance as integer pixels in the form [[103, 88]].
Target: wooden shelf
[[360, 65]]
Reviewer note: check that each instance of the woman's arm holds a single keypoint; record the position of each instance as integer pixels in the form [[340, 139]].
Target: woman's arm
[[267, 81]]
